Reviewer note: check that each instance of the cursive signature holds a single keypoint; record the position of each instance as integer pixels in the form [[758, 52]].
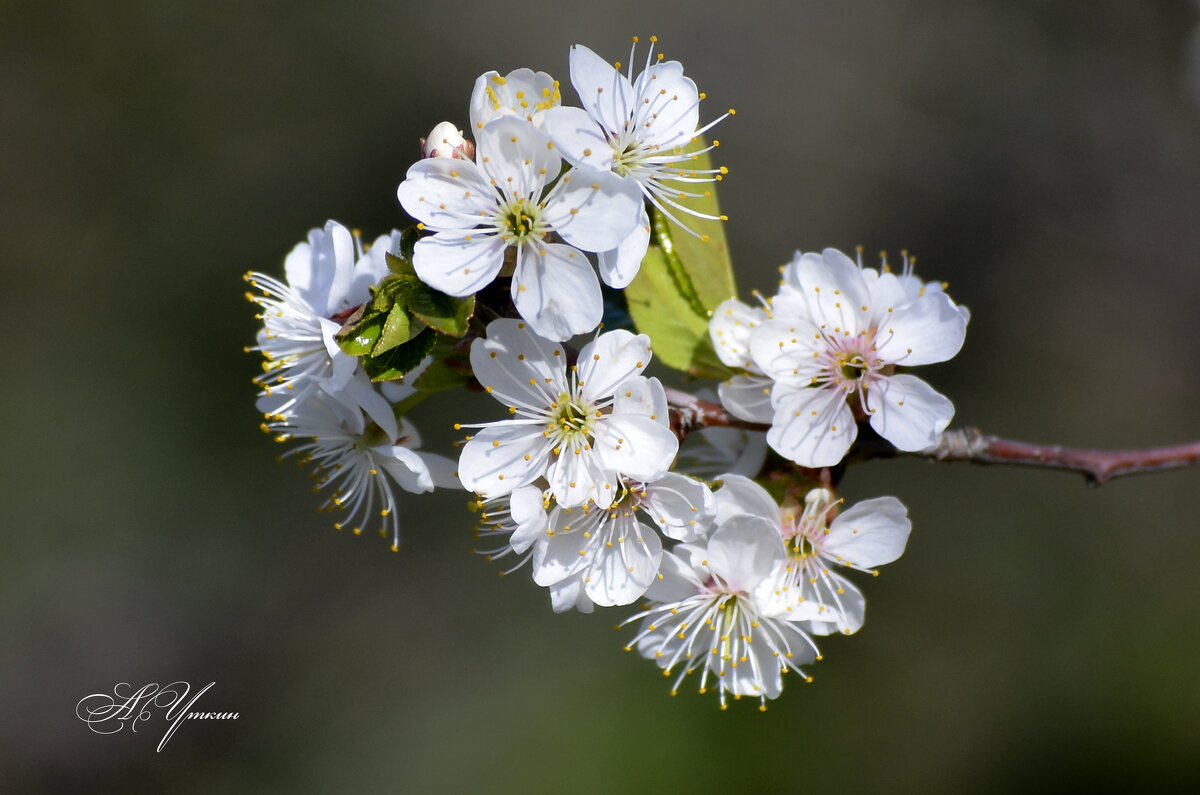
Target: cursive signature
[[109, 714]]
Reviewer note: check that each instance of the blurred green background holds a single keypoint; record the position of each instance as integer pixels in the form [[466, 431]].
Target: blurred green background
[[1044, 158]]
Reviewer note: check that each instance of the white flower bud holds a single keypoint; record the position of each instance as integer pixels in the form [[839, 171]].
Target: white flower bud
[[446, 140]]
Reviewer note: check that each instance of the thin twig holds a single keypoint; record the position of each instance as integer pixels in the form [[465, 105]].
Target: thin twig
[[689, 413]]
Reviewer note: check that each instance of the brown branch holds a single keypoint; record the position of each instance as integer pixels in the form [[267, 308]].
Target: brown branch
[[689, 413]]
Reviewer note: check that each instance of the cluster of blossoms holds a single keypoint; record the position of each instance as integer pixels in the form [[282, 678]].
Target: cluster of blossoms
[[584, 478]]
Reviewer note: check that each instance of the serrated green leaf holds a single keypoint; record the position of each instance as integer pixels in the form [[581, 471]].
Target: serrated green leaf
[[399, 360], [447, 314], [677, 329], [398, 329], [400, 265]]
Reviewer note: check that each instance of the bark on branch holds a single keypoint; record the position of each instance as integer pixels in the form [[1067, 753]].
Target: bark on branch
[[689, 413]]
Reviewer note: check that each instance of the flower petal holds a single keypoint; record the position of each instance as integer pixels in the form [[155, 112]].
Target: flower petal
[[740, 495], [834, 289], [459, 263], [682, 508], [447, 193], [610, 360], [503, 457], [522, 92], [813, 427], [556, 291], [517, 156], [635, 446], [519, 368], [927, 330], [594, 210], [908, 412], [744, 551], [869, 534], [579, 139], [748, 397], [620, 265], [730, 328], [604, 92], [625, 562]]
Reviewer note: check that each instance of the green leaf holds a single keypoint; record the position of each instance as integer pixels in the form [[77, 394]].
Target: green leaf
[[400, 266], [398, 329], [677, 327], [361, 331], [447, 314], [400, 359], [441, 375]]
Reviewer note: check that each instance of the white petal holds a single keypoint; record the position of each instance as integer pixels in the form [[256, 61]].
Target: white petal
[[740, 495], [594, 210], [446, 193], [517, 155], [834, 290], [642, 396], [577, 476], [609, 360], [928, 330], [518, 367], [748, 397], [527, 509], [635, 446], [813, 427], [678, 578], [405, 466], [908, 412], [844, 605], [556, 291], [578, 138], [518, 459], [682, 508], [442, 470], [744, 551], [869, 534], [371, 268], [459, 263], [569, 594], [789, 351], [622, 561], [620, 265], [522, 92], [604, 92], [730, 328], [673, 112]]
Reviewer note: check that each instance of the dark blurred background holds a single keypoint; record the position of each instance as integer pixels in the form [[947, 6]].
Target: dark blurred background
[[1044, 158]]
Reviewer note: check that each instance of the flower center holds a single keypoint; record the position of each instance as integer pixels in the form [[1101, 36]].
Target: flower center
[[852, 367], [572, 421], [519, 221]]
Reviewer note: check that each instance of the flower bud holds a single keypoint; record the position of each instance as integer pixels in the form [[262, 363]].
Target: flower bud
[[446, 140]]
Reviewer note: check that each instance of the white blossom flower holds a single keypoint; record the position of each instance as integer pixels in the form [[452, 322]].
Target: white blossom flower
[[869, 534], [840, 356], [327, 277], [613, 553], [636, 127], [357, 462], [581, 432], [523, 93], [516, 520], [480, 210], [708, 613], [747, 395]]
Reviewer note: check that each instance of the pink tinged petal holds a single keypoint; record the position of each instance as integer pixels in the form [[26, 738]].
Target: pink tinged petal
[[682, 508], [405, 466], [608, 361], [908, 412], [748, 397], [604, 92], [569, 594], [740, 495], [744, 551], [620, 265], [635, 446], [835, 291], [789, 351], [925, 331], [517, 459], [578, 138], [518, 367], [446, 193], [730, 328], [669, 109], [845, 607], [556, 291], [458, 263], [518, 157], [678, 580], [625, 562], [813, 427], [869, 534], [594, 210], [642, 396]]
